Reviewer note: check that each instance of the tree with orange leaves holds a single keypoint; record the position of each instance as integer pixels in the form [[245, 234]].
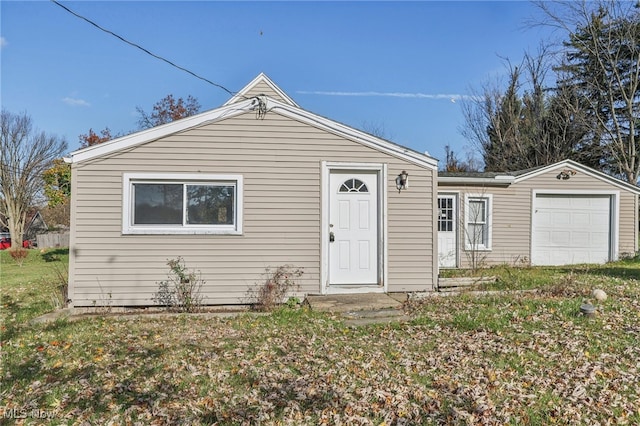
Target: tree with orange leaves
[[167, 110], [92, 138]]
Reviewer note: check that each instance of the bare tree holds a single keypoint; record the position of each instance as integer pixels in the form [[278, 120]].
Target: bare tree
[[455, 164], [493, 120], [524, 124], [602, 65], [26, 154], [376, 129], [479, 110]]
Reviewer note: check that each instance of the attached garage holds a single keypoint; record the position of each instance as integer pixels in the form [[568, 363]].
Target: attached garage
[[571, 228], [561, 214]]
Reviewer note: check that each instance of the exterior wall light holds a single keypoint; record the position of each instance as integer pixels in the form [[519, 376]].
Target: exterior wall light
[[566, 174], [402, 181]]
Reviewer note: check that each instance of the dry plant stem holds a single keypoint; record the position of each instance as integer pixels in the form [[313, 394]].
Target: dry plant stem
[[182, 289], [276, 283]]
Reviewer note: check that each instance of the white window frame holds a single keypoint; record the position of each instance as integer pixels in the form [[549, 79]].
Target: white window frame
[[128, 227], [488, 199], [453, 219]]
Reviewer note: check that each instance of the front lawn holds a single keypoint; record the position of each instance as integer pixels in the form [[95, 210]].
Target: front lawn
[[34, 288], [515, 358]]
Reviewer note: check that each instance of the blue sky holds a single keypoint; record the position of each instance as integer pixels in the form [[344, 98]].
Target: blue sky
[[397, 66]]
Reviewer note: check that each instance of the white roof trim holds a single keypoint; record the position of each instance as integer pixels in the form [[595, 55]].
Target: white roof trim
[[351, 133], [584, 169], [261, 78], [501, 180], [160, 131], [248, 105]]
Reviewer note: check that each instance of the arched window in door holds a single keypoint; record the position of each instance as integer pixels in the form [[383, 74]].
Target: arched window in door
[[353, 185]]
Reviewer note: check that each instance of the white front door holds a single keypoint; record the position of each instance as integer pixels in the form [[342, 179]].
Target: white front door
[[447, 230], [353, 228]]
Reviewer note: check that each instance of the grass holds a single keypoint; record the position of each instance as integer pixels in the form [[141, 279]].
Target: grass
[[32, 289], [514, 358]]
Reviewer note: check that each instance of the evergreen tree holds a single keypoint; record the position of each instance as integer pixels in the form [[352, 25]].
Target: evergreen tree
[[531, 129], [601, 66]]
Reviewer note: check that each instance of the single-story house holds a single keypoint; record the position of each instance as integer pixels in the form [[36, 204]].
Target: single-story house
[[256, 183], [560, 214]]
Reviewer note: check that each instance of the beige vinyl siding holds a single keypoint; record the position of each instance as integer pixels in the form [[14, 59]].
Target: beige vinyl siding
[[582, 182], [280, 161], [511, 214], [511, 226], [636, 222], [411, 235], [262, 88], [510, 223]]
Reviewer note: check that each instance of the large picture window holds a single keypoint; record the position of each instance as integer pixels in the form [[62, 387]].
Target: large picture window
[[478, 222], [182, 204]]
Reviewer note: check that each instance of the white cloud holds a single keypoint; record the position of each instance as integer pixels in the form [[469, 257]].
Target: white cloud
[[75, 102], [449, 97], [3, 42]]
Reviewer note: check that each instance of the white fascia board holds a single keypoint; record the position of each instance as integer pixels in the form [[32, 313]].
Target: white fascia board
[[506, 178], [160, 131], [545, 169], [461, 180], [262, 77], [352, 134], [584, 169]]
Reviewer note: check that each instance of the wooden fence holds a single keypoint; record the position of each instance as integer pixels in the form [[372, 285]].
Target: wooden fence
[[53, 240]]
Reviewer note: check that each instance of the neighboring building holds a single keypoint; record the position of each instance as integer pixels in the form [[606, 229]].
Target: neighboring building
[[34, 225], [561, 214], [256, 183]]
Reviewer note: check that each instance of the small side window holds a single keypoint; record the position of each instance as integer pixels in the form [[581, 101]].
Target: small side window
[[478, 222]]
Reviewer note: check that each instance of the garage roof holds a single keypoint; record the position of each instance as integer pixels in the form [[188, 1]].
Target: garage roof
[[508, 178]]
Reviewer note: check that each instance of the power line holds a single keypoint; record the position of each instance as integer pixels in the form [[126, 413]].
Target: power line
[[137, 46]]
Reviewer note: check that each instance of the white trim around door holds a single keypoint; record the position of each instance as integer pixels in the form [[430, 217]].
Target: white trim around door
[[333, 175], [447, 223]]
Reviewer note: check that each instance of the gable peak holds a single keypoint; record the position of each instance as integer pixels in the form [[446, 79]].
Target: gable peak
[[262, 85]]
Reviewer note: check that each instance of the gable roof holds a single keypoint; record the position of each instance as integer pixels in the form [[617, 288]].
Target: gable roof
[[161, 131], [33, 216], [244, 101], [508, 178], [584, 169], [261, 86]]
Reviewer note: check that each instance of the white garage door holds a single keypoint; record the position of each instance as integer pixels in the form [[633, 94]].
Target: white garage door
[[570, 229]]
